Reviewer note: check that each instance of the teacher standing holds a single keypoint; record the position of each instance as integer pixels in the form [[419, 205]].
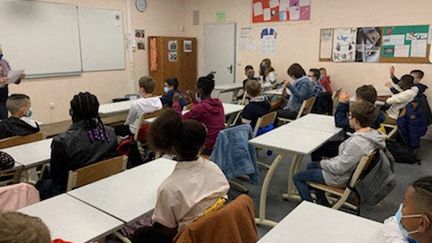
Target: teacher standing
[[4, 91]]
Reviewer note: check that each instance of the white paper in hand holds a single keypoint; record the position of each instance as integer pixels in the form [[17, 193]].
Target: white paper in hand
[[13, 76]]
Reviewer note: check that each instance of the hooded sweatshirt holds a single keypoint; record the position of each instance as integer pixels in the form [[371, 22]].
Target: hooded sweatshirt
[[139, 107], [338, 170], [211, 113]]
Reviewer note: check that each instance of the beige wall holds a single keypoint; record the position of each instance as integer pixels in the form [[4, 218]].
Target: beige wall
[[299, 41], [163, 17]]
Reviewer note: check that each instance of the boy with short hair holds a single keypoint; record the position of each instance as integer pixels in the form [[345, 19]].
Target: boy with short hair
[[314, 76], [146, 104], [338, 170], [19, 124], [325, 80], [413, 221], [258, 105], [250, 75], [20, 228]]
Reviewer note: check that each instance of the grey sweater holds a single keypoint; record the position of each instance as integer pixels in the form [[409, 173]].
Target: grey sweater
[[337, 170]]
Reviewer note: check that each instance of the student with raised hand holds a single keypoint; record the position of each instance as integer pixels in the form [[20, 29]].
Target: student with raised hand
[[412, 223], [258, 105], [338, 170], [205, 109], [400, 100], [170, 89], [301, 89], [146, 104], [196, 183], [20, 228], [87, 141], [416, 74], [20, 123], [267, 74]]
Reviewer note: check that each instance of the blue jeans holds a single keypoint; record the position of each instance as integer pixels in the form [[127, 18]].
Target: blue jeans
[[312, 174]]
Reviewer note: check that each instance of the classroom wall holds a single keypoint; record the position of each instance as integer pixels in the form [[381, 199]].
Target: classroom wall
[[299, 41], [163, 17]]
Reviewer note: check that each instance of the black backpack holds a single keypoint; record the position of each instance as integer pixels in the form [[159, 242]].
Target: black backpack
[[6, 161]]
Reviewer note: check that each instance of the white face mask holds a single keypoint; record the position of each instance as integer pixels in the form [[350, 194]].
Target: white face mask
[[166, 89]]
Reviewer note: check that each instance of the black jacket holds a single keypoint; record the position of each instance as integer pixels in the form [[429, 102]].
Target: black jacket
[[74, 149], [13, 126]]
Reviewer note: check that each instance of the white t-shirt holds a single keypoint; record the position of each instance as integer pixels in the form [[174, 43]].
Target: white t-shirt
[[139, 107], [189, 191]]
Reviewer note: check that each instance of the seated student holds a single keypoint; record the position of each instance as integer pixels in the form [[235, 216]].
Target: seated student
[[258, 105], [20, 228], [314, 76], [416, 74], [19, 124], [325, 80], [146, 104], [205, 109], [171, 88], [268, 74], [337, 170], [300, 88], [87, 141], [195, 184], [250, 74], [400, 100], [412, 223]]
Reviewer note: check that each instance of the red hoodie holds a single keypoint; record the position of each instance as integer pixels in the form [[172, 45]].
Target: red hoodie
[[325, 82], [211, 113]]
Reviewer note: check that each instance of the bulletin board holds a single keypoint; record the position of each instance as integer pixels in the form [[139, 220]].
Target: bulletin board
[[405, 44], [280, 10]]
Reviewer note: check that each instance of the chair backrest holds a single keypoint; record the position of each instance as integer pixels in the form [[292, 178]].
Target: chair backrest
[[10, 176], [306, 107], [362, 166], [18, 140], [264, 121], [142, 119], [96, 171]]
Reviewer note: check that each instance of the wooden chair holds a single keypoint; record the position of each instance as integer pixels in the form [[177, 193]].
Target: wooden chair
[[344, 193], [305, 109], [262, 122], [95, 172], [18, 140], [388, 130], [335, 98], [10, 176]]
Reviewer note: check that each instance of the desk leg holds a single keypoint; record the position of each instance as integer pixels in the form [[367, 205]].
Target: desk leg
[[294, 167], [264, 190]]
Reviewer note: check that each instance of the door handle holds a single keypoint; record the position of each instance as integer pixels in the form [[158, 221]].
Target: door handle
[[230, 68]]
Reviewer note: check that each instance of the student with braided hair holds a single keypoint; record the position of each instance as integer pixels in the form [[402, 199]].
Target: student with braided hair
[[413, 221], [87, 141]]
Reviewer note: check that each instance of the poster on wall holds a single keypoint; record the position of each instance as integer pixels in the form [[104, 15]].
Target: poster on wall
[[280, 10], [326, 44], [368, 44], [268, 37], [405, 41], [187, 46], [246, 41], [172, 56], [172, 45], [344, 44]]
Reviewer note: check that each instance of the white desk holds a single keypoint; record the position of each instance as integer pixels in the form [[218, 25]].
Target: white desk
[[287, 139], [116, 107], [72, 220], [232, 87], [317, 122], [228, 110], [130, 194], [310, 222], [31, 154]]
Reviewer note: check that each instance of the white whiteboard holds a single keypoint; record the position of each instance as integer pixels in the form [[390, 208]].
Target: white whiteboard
[[42, 38], [102, 41]]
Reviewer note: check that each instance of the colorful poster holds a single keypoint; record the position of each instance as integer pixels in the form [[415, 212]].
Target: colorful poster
[[280, 10], [368, 45], [405, 41], [344, 44], [326, 44], [268, 38]]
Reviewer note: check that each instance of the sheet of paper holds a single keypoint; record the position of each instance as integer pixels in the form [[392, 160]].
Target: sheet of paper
[[13, 76], [326, 43], [267, 14], [304, 3], [418, 48], [401, 51], [397, 40], [274, 3], [283, 5], [258, 8], [294, 13]]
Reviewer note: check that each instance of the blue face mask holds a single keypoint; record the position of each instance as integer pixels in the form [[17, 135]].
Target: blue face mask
[[166, 89], [29, 113], [399, 218]]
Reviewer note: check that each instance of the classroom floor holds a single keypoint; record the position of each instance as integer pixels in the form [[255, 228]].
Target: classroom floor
[[277, 208]]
